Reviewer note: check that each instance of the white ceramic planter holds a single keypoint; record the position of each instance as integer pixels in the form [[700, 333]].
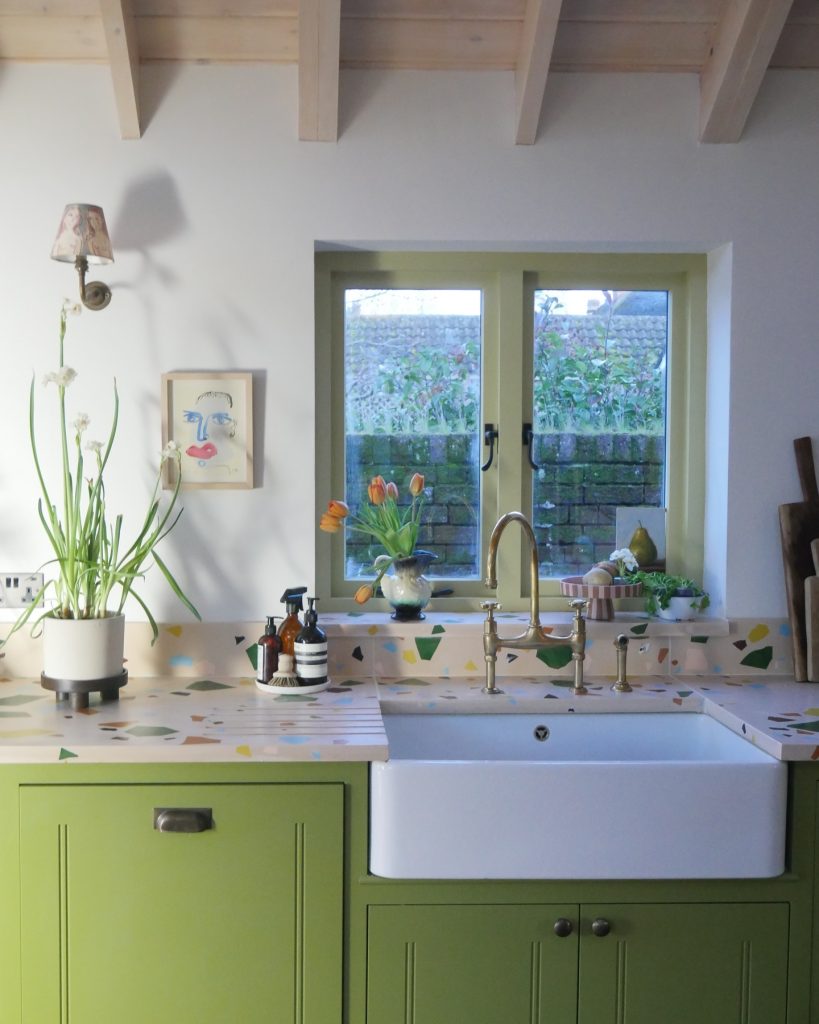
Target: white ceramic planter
[[679, 610], [83, 649]]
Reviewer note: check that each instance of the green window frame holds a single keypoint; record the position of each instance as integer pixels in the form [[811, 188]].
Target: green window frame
[[508, 282]]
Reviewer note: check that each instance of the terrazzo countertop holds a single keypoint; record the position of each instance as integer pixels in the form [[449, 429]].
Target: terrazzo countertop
[[228, 719], [192, 720]]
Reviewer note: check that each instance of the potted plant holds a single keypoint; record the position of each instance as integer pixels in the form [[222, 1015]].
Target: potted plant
[[670, 596], [96, 569], [396, 529]]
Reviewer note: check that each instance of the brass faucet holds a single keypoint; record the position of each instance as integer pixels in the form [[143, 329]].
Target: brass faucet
[[534, 635]]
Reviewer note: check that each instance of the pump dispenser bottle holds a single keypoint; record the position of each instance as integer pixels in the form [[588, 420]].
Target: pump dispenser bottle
[[267, 652], [311, 649], [291, 626]]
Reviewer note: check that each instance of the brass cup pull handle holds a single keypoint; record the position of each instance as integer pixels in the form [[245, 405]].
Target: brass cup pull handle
[[563, 927], [600, 927], [183, 819]]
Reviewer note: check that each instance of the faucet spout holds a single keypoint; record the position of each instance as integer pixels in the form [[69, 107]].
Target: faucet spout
[[533, 636], [534, 571]]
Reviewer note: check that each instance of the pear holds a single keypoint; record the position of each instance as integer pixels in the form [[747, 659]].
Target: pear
[[642, 546]]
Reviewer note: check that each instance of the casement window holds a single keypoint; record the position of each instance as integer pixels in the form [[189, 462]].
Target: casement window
[[568, 386]]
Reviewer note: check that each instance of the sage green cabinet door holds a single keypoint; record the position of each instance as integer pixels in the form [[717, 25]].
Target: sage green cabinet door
[[241, 922], [684, 964], [471, 965]]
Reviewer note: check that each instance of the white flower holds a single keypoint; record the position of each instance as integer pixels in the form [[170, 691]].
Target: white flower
[[71, 308], [624, 557], [171, 451], [93, 446], [62, 377], [81, 422]]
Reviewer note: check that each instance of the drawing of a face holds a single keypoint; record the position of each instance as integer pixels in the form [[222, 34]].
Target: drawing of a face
[[214, 428]]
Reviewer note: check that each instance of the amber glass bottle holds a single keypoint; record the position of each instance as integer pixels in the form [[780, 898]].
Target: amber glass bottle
[[291, 627], [267, 652]]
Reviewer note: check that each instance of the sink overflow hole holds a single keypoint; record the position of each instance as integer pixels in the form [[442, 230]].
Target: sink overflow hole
[[541, 732]]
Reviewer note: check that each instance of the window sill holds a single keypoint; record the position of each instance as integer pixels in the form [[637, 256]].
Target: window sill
[[366, 623]]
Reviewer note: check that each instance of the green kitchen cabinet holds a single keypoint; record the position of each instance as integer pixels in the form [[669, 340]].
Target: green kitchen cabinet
[[485, 964], [239, 919], [589, 964]]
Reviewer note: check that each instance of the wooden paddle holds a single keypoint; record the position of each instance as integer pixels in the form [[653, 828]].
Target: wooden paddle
[[812, 615], [798, 527]]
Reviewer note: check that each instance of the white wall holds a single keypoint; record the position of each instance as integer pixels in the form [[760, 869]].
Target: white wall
[[214, 215]]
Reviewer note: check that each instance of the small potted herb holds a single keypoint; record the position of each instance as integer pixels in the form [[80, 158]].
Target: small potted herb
[[669, 596]]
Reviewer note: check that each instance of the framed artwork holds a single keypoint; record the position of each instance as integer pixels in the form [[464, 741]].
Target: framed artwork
[[210, 416]]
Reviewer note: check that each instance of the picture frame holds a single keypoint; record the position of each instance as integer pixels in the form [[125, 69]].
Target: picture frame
[[209, 414]]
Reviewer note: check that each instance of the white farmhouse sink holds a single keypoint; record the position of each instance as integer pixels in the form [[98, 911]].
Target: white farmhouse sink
[[603, 796]]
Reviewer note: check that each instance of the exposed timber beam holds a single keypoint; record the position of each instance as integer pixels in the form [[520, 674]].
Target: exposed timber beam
[[733, 73], [123, 57], [534, 57], [319, 54]]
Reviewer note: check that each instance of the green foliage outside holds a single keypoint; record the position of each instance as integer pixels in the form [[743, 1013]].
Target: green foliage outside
[[420, 388], [424, 378], [582, 387]]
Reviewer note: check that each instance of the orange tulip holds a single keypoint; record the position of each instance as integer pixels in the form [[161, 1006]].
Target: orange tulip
[[392, 490], [330, 524], [338, 509], [377, 490], [363, 594], [417, 484]]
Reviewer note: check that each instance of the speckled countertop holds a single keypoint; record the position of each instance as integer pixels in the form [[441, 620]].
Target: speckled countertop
[[218, 719], [195, 720]]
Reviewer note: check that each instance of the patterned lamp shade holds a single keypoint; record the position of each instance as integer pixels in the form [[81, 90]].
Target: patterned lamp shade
[[82, 233]]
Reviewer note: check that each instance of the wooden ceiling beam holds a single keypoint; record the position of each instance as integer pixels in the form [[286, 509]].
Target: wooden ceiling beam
[[732, 75], [319, 58], [123, 57], [537, 41]]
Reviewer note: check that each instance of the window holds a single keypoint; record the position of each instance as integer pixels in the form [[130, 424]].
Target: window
[[566, 386]]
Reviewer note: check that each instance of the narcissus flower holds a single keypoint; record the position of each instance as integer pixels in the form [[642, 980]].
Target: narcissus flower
[[62, 377]]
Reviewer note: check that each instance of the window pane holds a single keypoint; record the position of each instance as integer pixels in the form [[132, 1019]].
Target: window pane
[[412, 405], [599, 409]]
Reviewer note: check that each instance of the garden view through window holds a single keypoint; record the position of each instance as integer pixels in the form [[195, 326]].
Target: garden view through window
[[599, 415], [412, 369], [415, 380]]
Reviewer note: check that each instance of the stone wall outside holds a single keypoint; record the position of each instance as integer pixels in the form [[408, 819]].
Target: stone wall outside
[[582, 480]]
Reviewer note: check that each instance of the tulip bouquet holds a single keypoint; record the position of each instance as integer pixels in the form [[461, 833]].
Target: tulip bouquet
[[395, 528]]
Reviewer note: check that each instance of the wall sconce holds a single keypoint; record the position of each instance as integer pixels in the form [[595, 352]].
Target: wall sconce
[[82, 238]]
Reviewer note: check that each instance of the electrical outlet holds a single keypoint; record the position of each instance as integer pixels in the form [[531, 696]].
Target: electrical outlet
[[19, 589]]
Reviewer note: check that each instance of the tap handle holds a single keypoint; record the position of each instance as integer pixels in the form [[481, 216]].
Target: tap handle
[[621, 684], [490, 606], [578, 606]]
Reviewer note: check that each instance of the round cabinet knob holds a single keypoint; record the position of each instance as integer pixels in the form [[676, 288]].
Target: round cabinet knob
[[600, 927], [563, 927]]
